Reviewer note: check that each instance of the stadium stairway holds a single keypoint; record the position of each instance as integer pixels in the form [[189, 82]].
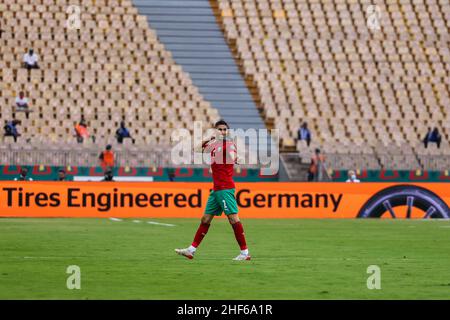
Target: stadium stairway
[[190, 31], [296, 170], [188, 28]]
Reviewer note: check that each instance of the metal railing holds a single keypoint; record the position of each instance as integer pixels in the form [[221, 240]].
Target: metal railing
[[389, 161], [90, 157]]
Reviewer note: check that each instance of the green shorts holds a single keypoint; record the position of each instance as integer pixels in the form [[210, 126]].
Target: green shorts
[[221, 201]]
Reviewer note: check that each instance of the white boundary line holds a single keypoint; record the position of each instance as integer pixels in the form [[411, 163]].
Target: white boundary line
[[149, 222], [161, 224]]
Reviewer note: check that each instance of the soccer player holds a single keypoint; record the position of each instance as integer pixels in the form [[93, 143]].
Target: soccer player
[[222, 199]]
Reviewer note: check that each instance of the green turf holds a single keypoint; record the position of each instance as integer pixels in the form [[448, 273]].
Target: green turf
[[292, 259]]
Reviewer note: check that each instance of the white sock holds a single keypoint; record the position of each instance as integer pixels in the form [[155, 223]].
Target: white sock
[[192, 249], [244, 252]]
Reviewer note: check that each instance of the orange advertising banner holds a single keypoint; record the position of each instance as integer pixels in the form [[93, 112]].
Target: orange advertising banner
[[255, 200]]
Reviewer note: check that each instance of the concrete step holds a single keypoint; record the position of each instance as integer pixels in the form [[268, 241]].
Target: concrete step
[[218, 62], [210, 69], [242, 97], [177, 46], [222, 90], [189, 33], [236, 77], [185, 25], [194, 40], [239, 112], [200, 54], [170, 18]]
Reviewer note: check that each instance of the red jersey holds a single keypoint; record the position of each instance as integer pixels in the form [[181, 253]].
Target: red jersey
[[223, 155]]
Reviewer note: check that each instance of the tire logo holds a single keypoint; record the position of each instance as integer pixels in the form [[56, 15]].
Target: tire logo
[[410, 196]]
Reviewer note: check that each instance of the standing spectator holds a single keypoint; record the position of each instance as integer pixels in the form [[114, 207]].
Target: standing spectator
[[171, 174], [30, 60], [432, 136], [107, 157], [317, 167], [11, 129], [61, 175], [23, 175], [81, 131], [304, 134], [108, 175], [352, 177], [22, 104], [123, 133]]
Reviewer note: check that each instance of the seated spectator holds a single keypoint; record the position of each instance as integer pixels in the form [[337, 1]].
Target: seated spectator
[[107, 157], [304, 134], [171, 174], [30, 60], [22, 104], [81, 131], [123, 133], [352, 177], [432, 136], [23, 175], [61, 175], [11, 129]]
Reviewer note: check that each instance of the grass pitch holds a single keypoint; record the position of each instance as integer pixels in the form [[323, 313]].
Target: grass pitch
[[292, 259]]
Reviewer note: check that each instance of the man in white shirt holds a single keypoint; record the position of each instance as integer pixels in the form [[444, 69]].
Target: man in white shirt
[[352, 177], [22, 104], [30, 60]]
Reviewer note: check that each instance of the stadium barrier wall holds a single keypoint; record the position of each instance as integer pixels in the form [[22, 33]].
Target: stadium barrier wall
[[255, 200], [186, 174], [182, 174]]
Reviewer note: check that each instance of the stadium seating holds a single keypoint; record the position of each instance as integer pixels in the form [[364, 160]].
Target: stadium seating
[[362, 91], [112, 68]]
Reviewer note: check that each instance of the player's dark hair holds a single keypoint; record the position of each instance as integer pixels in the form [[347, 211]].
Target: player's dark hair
[[221, 122]]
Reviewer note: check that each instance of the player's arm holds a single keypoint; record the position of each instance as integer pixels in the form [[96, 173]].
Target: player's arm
[[203, 147], [233, 154]]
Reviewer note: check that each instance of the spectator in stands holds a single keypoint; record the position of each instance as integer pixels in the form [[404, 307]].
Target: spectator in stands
[[304, 134], [108, 175], [61, 175], [123, 133], [30, 60], [317, 166], [171, 174], [11, 129], [352, 177], [22, 104], [81, 131], [23, 175], [432, 136], [107, 157]]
